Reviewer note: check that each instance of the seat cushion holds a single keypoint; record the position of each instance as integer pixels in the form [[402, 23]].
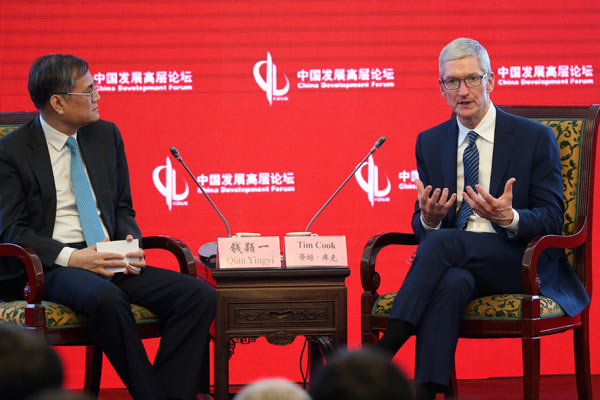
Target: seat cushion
[[497, 307], [60, 316]]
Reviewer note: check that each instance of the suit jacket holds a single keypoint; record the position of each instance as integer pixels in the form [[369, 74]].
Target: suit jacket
[[529, 152], [28, 193]]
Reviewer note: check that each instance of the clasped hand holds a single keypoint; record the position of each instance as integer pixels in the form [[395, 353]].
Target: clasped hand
[[435, 203], [89, 258]]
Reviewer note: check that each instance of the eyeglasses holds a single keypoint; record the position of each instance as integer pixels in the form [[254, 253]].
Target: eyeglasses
[[470, 82], [90, 92]]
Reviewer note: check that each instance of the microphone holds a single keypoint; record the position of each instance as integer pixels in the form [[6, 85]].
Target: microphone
[[178, 157], [377, 145]]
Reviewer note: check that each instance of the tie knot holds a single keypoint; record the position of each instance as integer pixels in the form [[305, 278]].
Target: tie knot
[[71, 143], [472, 136]]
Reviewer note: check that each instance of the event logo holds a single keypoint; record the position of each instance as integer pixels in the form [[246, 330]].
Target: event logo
[[546, 75], [248, 182], [371, 184], [144, 81], [346, 78], [169, 188], [408, 179], [269, 83]]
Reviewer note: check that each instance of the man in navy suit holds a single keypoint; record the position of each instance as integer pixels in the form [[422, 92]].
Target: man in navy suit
[[516, 194], [39, 209]]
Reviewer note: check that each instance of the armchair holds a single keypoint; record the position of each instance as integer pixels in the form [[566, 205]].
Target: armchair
[[528, 315], [60, 325]]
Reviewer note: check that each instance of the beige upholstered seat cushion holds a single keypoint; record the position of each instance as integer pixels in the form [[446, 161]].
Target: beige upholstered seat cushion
[[60, 316], [495, 307]]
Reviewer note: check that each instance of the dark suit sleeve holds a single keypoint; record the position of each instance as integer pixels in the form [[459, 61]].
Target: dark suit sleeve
[[21, 214], [538, 198], [424, 177]]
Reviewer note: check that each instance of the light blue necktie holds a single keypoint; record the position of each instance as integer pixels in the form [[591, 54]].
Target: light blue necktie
[[471, 169], [88, 216]]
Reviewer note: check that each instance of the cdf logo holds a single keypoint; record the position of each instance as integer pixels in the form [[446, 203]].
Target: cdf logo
[[169, 187], [269, 83], [371, 183]]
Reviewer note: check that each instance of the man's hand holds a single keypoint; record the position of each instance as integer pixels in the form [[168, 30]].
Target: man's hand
[[434, 207], [141, 263], [90, 259], [486, 206]]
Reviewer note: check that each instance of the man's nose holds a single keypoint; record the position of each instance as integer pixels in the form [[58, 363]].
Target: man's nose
[[462, 88]]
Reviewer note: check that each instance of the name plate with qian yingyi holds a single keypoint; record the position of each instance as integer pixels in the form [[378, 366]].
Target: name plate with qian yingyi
[[313, 251], [249, 252]]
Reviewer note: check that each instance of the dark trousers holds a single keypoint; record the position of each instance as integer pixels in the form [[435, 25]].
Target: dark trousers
[[185, 305], [452, 267]]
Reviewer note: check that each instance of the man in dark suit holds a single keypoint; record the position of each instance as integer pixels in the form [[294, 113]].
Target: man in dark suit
[[489, 182], [40, 207]]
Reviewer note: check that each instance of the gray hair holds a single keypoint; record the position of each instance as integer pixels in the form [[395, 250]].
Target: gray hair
[[465, 47], [272, 389], [54, 74]]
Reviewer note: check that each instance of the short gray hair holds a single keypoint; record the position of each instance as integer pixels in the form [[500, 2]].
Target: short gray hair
[[465, 47]]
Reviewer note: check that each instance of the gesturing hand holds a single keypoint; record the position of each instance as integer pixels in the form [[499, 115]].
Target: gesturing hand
[[498, 210], [434, 207]]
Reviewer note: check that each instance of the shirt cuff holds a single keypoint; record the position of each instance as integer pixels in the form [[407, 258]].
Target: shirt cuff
[[513, 227], [427, 228], [63, 256]]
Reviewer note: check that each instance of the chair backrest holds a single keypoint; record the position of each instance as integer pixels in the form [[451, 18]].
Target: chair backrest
[[576, 129], [9, 121]]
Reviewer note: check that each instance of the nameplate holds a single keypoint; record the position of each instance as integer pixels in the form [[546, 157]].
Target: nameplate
[[312, 251], [249, 252]]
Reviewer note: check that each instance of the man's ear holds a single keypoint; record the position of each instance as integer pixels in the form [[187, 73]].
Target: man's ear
[[491, 79], [57, 103]]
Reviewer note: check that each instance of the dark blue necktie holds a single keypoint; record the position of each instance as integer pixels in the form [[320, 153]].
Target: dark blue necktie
[[88, 216], [471, 169]]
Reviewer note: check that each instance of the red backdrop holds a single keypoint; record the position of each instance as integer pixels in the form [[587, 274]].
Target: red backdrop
[[273, 103]]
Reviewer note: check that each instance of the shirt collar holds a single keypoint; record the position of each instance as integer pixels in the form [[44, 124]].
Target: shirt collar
[[485, 128], [54, 137]]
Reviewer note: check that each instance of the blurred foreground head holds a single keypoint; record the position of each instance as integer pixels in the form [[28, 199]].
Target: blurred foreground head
[[360, 375], [27, 364], [272, 389]]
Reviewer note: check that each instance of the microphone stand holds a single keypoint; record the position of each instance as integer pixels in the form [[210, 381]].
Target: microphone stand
[[377, 145], [178, 157]]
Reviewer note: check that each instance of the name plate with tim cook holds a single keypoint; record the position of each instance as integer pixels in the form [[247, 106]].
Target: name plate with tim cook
[[315, 251], [249, 252]]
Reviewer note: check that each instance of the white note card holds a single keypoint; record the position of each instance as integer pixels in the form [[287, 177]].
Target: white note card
[[122, 247]]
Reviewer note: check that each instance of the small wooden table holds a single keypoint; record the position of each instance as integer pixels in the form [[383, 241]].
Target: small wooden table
[[278, 304]]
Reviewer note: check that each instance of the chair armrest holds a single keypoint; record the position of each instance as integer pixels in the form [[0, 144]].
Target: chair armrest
[[370, 279], [34, 290], [531, 282], [182, 253]]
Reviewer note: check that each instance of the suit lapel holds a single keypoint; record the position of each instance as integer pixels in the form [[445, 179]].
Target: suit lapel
[[504, 142], [39, 160]]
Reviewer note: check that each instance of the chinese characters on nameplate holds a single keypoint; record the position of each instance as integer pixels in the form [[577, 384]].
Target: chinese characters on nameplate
[[317, 251], [249, 252]]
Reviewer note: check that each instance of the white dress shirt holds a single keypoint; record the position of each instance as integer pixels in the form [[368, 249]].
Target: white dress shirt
[[67, 227], [486, 130]]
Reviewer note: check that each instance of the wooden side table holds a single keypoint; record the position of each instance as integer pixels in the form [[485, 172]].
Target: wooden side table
[[278, 304]]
